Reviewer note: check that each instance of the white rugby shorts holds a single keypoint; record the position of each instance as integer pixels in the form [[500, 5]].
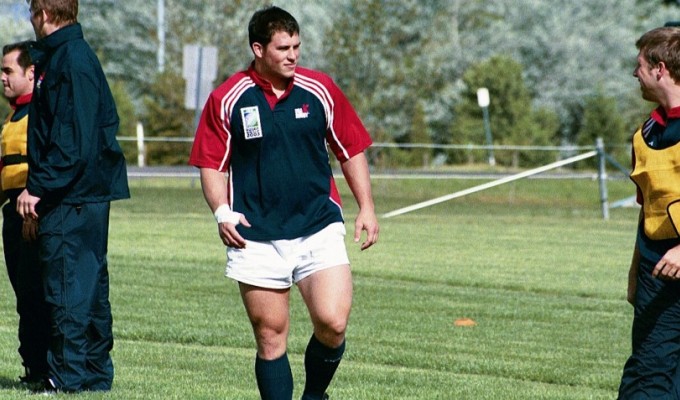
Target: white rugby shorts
[[277, 264]]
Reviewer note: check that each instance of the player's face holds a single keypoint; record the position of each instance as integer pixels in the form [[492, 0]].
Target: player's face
[[279, 58], [15, 80], [647, 77]]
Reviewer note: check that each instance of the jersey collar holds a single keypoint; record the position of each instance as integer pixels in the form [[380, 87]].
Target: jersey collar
[[267, 86], [661, 116], [21, 100]]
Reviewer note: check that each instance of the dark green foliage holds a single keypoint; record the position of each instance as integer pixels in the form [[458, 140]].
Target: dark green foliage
[[4, 110], [127, 112], [512, 118], [602, 119], [124, 38], [419, 134], [378, 52], [165, 116]]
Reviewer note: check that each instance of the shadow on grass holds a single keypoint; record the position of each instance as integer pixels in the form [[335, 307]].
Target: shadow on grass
[[9, 383]]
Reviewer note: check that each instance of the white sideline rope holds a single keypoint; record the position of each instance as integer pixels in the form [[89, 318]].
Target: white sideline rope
[[491, 184]]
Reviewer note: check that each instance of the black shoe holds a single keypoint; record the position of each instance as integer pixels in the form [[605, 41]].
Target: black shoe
[[46, 388], [31, 377], [32, 381]]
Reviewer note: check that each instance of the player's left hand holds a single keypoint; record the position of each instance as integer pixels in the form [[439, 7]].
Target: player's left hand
[[668, 267], [366, 221]]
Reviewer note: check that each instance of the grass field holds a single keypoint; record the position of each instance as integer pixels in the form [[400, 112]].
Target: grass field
[[532, 262]]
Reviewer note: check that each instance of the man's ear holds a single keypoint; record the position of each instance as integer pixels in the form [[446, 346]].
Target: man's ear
[[662, 70], [46, 17], [30, 73], [257, 49]]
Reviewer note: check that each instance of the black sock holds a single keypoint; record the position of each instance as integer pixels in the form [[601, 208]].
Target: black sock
[[320, 365], [274, 378]]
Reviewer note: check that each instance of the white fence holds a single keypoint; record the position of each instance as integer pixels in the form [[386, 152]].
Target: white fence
[[588, 152]]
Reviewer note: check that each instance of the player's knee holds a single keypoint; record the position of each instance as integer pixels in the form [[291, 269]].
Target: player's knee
[[332, 331], [270, 347]]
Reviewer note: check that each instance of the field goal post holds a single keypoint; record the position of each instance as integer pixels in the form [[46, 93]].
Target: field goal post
[[601, 176]]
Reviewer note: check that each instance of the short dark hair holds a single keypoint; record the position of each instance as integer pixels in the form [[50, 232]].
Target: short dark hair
[[24, 59], [662, 45], [269, 20]]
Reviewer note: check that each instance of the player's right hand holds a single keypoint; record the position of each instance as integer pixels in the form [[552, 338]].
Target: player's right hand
[[230, 236]]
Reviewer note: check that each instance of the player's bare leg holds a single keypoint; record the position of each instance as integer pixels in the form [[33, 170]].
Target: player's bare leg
[[268, 313], [328, 296]]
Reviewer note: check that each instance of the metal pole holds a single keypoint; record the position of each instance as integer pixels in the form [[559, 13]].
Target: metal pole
[[161, 36], [487, 131], [141, 151], [602, 177], [199, 79]]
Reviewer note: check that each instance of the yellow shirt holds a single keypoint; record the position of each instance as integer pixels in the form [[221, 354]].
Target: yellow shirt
[[13, 142], [657, 175]]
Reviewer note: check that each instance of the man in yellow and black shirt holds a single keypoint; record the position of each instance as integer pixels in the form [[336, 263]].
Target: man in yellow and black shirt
[[651, 371], [19, 236]]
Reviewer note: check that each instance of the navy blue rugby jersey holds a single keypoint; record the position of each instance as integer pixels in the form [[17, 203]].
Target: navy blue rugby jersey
[[275, 150]]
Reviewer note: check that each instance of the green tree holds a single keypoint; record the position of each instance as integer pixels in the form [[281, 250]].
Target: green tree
[[123, 35], [601, 119], [165, 116], [353, 58], [667, 2], [572, 50], [127, 112], [4, 110], [545, 128], [378, 52], [418, 134], [512, 119]]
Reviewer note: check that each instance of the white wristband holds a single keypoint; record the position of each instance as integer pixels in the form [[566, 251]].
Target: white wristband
[[224, 214]]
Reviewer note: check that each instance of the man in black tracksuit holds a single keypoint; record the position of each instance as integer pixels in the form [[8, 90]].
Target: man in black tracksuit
[[76, 168]]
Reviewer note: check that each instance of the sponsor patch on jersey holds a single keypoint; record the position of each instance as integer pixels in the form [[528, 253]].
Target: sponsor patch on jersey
[[302, 112], [252, 126]]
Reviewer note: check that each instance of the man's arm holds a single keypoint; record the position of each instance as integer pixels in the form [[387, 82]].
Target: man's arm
[[71, 138], [215, 192], [356, 173]]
